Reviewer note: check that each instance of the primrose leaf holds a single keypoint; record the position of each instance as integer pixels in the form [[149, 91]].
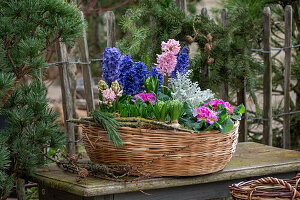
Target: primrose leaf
[[236, 117], [240, 109], [227, 125]]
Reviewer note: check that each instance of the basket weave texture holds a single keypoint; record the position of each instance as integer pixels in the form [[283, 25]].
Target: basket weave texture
[[267, 189], [162, 152]]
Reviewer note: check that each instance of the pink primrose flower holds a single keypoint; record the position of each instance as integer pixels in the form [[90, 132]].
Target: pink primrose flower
[[228, 107], [146, 97], [206, 114], [214, 103]]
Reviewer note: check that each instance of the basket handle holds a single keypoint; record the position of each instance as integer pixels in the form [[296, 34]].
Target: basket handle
[[267, 180]]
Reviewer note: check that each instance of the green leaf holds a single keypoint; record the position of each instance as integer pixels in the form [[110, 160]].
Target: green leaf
[[163, 97], [163, 112], [188, 108], [191, 123], [227, 125], [222, 114], [144, 111], [145, 85], [240, 109], [236, 117], [156, 85]]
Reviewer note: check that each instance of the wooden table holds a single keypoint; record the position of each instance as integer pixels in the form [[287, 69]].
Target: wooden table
[[251, 160]]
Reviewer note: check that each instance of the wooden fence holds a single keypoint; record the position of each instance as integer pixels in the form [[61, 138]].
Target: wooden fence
[[241, 95]]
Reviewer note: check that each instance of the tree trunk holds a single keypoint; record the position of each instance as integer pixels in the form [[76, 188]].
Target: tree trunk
[[21, 189]]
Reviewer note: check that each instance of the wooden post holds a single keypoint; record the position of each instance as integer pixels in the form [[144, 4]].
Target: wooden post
[[241, 99], [111, 29], [205, 73], [287, 76], [267, 85], [86, 72], [204, 12], [20, 187], [224, 86], [66, 97], [181, 4]]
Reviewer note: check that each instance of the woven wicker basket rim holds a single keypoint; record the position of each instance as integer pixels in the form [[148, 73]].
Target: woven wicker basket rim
[[139, 131]]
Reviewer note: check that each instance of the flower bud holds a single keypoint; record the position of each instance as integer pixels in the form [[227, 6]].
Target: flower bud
[[115, 86], [102, 85]]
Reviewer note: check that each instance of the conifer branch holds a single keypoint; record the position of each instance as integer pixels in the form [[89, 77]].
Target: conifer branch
[[10, 92], [12, 62]]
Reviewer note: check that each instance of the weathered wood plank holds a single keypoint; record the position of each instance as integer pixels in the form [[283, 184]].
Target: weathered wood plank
[[181, 4], [267, 85], [47, 193], [111, 29], [86, 72], [66, 96], [287, 77]]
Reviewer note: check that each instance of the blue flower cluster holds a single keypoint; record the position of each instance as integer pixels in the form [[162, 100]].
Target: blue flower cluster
[[126, 64], [182, 62], [130, 74], [111, 64], [133, 79], [153, 72]]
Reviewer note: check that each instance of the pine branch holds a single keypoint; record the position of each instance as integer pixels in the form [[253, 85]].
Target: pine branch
[[109, 124]]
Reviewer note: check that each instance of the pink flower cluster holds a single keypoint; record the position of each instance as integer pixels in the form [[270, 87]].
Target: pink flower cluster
[[206, 114], [172, 46], [167, 60], [108, 96], [146, 97], [214, 104]]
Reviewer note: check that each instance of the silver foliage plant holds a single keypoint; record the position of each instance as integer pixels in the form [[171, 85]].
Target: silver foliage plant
[[185, 90]]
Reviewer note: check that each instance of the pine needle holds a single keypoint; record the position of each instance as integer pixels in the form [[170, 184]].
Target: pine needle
[[110, 124]]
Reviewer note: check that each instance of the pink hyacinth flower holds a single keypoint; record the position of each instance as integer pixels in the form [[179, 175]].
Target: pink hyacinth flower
[[166, 63], [172, 46], [108, 96]]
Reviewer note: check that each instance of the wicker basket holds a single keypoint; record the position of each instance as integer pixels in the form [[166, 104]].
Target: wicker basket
[[267, 189], [162, 152]]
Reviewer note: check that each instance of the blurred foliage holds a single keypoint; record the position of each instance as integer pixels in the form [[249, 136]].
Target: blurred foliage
[[154, 21], [277, 28]]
